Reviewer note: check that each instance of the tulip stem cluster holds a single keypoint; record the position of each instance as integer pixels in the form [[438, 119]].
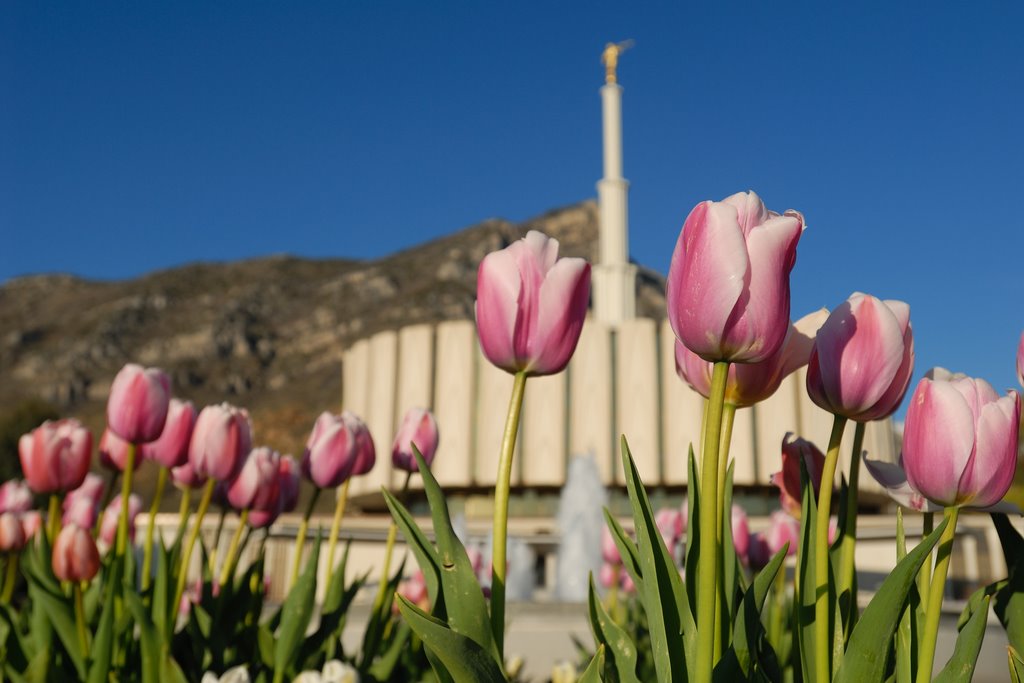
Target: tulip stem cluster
[[501, 495], [934, 599], [10, 578], [183, 509], [708, 566], [186, 556], [83, 637], [229, 559], [300, 538], [147, 560], [53, 518], [339, 512], [822, 642], [126, 492]]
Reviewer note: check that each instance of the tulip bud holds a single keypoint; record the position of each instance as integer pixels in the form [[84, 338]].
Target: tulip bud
[[862, 359], [55, 456], [609, 550], [288, 483], [782, 529], [75, 555], [256, 486], [366, 454], [221, 439], [609, 574], [670, 524], [788, 480], [1020, 360], [137, 407], [114, 451], [728, 284], [960, 441], [171, 449], [31, 522], [420, 428], [740, 533], [15, 496], [330, 451], [12, 534], [112, 515], [750, 383], [185, 477], [530, 305], [91, 492]]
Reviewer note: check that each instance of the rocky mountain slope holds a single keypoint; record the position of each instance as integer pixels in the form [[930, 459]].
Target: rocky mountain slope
[[267, 333]]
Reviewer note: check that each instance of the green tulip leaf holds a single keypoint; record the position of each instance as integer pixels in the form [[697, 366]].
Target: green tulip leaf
[[149, 640], [296, 613], [805, 571], [692, 532], [462, 657], [620, 649], [61, 615], [868, 651], [1016, 665], [628, 552], [592, 674], [1009, 600], [422, 549], [750, 651], [662, 594], [960, 667], [101, 651]]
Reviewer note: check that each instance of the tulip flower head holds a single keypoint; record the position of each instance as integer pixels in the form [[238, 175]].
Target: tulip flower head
[[609, 550], [750, 383], [366, 453], [782, 529], [15, 496], [12, 533], [418, 427], [171, 449], [75, 555], [892, 476], [530, 305], [113, 451], [31, 522], [288, 482], [330, 451], [256, 486], [138, 403], [111, 516], [185, 477], [55, 456], [670, 525], [788, 479], [728, 284], [221, 439], [862, 359], [1020, 360], [740, 533], [960, 440], [82, 505]]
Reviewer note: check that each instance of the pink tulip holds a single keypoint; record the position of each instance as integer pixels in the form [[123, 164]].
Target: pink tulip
[[113, 451], [366, 454], [670, 524], [12, 534], [530, 305], [220, 441], [55, 456], [420, 428], [1020, 360], [137, 407], [626, 582], [782, 529], [75, 555], [610, 574], [261, 519], [90, 491], [476, 559], [728, 285], [31, 522], [108, 525], [171, 449], [330, 451], [862, 359], [15, 496], [788, 479], [185, 477], [288, 482], [414, 590], [751, 383], [256, 486], [740, 533], [960, 441]]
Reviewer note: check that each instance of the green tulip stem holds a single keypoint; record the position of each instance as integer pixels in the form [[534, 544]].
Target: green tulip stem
[[186, 502], [300, 537], [501, 496], [126, 491], [10, 578], [339, 512], [848, 544], [53, 518], [707, 564], [728, 417], [212, 558], [147, 560], [389, 548], [822, 642], [186, 557], [933, 611], [83, 635], [229, 560], [924, 577]]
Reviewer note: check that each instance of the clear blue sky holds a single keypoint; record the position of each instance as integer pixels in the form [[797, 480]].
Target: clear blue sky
[[140, 135]]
